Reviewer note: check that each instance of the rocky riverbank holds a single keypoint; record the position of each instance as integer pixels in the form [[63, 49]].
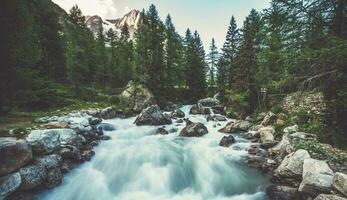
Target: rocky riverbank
[[39, 160]]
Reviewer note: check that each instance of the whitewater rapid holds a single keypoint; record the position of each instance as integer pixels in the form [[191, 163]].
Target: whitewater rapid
[[137, 164]]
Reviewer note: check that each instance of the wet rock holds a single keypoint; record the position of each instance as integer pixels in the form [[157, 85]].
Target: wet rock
[[269, 119], [179, 121], [209, 118], [87, 155], [48, 140], [254, 150], [292, 165], [162, 131], [49, 161], [178, 113], [54, 177], [138, 95], [209, 102], [152, 116], [340, 183], [317, 177], [329, 197], [170, 107], [226, 141], [105, 137], [267, 137], [33, 176], [219, 118], [70, 152], [279, 192], [94, 121], [194, 130], [198, 109], [218, 109], [9, 184], [13, 154]]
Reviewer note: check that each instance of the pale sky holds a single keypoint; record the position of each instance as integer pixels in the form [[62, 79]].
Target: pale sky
[[209, 17]]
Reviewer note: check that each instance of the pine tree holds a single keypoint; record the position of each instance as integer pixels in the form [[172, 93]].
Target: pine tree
[[126, 57], [212, 61], [113, 55], [102, 71]]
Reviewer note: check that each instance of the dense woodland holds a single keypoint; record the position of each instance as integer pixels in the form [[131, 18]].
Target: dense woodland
[[48, 56]]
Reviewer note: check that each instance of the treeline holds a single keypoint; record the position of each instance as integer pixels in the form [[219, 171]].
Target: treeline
[[46, 50], [295, 45]]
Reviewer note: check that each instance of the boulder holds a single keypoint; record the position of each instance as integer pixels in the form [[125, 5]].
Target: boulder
[[138, 95], [33, 176], [317, 177], [340, 183], [226, 141], [105, 127], [94, 121], [13, 154], [209, 118], [260, 116], [284, 147], [269, 119], [152, 116], [267, 138], [48, 140], [170, 107], [279, 192], [9, 184], [209, 102], [178, 113], [193, 130], [162, 131], [236, 126], [291, 129], [218, 109], [292, 165], [329, 197], [70, 152], [254, 150], [49, 161], [198, 109]]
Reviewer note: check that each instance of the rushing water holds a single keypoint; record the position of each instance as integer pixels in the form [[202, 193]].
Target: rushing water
[[139, 165]]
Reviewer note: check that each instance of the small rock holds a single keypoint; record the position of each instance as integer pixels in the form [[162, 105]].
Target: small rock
[[70, 152], [178, 113], [269, 119], [87, 155], [52, 125], [279, 192], [152, 116], [209, 118], [219, 118], [105, 137], [209, 102], [161, 131], [105, 127], [193, 130], [94, 121], [291, 129], [226, 141], [54, 177]]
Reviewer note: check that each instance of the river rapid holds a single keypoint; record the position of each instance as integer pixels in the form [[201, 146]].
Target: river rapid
[[137, 164]]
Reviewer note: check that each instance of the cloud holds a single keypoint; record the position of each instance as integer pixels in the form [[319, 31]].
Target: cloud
[[104, 8]]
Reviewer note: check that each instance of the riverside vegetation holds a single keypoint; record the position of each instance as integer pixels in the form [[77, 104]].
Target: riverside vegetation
[[280, 80]]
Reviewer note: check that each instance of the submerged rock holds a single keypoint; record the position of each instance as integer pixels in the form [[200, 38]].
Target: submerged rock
[[162, 131], [105, 127], [226, 141], [177, 113], [152, 116], [317, 177], [13, 154], [194, 130]]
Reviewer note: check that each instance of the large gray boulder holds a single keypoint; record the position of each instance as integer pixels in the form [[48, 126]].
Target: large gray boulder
[[193, 130], [46, 141], [13, 154], [9, 184], [292, 165], [199, 109], [138, 95], [340, 183], [317, 177], [209, 102], [33, 176], [329, 197], [152, 116], [236, 126], [284, 147]]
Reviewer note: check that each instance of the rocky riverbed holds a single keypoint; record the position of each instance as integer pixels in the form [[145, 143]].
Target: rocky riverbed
[[190, 152]]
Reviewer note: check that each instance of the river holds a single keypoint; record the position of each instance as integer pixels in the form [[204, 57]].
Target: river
[[139, 165]]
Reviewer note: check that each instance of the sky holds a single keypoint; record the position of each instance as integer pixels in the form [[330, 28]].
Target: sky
[[209, 17]]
